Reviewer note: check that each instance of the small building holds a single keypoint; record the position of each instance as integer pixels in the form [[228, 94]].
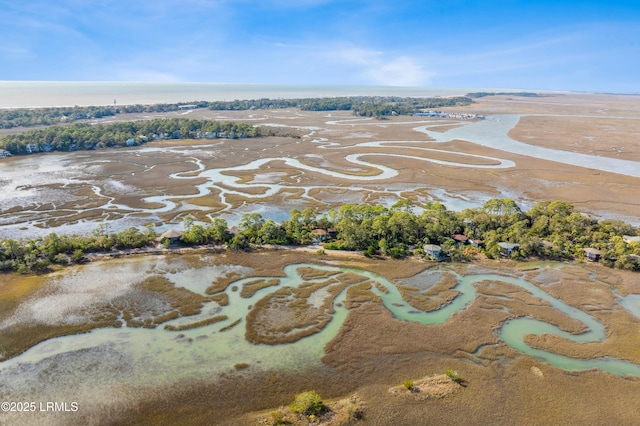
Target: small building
[[319, 235], [508, 248], [592, 254], [31, 148], [460, 239], [4, 153], [433, 251], [233, 230], [131, 142], [173, 235], [630, 239], [547, 246], [477, 243]]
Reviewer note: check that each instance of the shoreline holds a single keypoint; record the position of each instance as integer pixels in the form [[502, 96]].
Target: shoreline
[[85, 93]]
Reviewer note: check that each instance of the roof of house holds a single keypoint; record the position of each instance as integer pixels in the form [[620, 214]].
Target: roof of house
[[432, 247], [460, 237], [631, 239], [509, 246], [319, 232], [171, 233], [591, 250], [234, 229]]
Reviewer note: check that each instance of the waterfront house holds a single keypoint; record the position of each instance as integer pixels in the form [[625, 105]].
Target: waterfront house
[[460, 239], [31, 148], [319, 235], [433, 251], [508, 248], [477, 243], [592, 254], [233, 230], [173, 235]]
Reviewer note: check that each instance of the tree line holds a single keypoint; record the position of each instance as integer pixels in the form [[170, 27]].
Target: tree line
[[360, 105], [83, 136], [550, 230], [22, 117]]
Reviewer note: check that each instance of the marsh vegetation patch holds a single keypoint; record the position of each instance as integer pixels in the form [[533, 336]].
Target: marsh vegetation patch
[[291, 313]]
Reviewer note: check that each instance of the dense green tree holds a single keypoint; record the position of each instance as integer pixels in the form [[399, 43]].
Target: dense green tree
[[549, 229], [272, 233], [239, 242], [86, 136]]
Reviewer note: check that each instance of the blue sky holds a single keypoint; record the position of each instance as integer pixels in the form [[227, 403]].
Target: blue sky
[[552, 45]]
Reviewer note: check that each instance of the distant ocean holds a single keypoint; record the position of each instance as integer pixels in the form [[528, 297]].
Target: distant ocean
[[33, 94]]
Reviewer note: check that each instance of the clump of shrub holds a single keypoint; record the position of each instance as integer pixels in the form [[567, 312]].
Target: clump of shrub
[[408, 384], [453, 375], [277, 418], [308, 403]]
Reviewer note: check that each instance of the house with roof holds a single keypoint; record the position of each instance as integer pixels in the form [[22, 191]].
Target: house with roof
[[173, 235], [508, 248], [31, 148], [477, 243], [433, 251], [319, 235], [460, 239], [592, 254]]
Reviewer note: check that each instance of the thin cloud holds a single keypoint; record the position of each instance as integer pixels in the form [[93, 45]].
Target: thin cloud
[[379, 67], [400, 71], [15, 51]]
